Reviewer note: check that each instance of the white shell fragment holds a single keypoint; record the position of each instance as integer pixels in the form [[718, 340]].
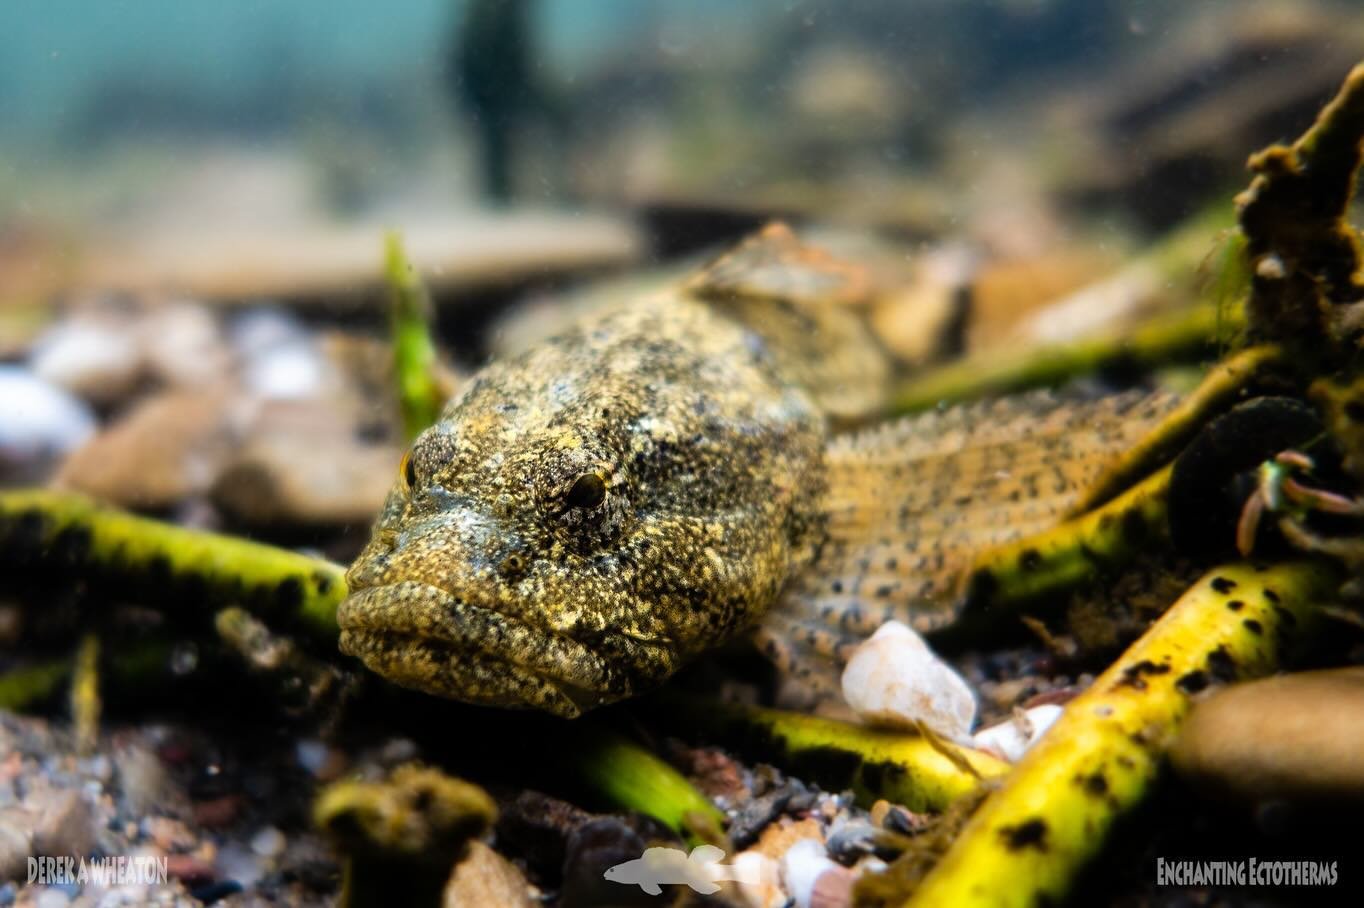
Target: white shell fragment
[[802, 866], [1012, 738], [895, 679]]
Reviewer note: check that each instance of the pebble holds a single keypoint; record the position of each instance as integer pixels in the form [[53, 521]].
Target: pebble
[[16, 843], [268, 842], [803, 866], [184, 346], [484, 877], [760, 880], [894, 679], [143, 779], [166, 449], [1292, 737], [167, 833], [95, 357], [237, 862], [39, 422], [278, 480], [65, 824], [52, 898], [1010, 739]]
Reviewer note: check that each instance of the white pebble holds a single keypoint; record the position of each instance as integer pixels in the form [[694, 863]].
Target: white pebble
[[895, 679], [311, 755], [52, 898], [758, 879], [99, 359], [1012, 738], [268, 843], [801, 868], [39, 419]]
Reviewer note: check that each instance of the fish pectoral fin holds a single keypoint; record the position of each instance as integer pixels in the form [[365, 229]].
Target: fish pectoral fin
[[650, 887]]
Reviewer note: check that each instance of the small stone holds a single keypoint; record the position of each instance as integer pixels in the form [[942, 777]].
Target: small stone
[[237, 862], [1292, 737], [166, 449], [484, 877], [65, 824], [1010, 739], [802, 866], [97, 357], [16, 844], [759, 880], [894, 679], [277, 479], [142, 779], [779, 837], [268, 842], [189, 869], [833, 888], [52, 898], [216, 813], [167, 833], [39, 423], [183, 345]]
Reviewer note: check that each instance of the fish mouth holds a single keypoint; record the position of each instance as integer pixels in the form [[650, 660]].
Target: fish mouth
[[429, 639]]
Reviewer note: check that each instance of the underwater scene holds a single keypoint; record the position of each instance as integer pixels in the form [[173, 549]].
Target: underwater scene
[[786, 454]]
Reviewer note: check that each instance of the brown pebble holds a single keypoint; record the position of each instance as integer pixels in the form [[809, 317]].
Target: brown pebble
[[833, 889], [778, 837], [1294, 736], [483, 878], [189, 869], [217, 812]]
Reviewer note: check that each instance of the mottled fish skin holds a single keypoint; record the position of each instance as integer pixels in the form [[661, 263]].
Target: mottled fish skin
[[590, 515]]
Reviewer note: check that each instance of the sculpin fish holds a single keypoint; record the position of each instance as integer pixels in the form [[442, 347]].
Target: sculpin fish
[[590, 515]]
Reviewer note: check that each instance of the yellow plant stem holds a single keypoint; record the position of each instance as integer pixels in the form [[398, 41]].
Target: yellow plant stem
[[191, 570], [1025, 844], [1073, 551], [904, 767]]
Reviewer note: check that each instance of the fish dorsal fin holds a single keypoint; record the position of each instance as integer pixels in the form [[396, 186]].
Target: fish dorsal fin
[[910, 504], [806, 305]]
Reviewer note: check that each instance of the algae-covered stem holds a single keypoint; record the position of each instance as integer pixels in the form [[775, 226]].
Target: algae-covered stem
[[189, 570], [906, 768], [1026, 843]]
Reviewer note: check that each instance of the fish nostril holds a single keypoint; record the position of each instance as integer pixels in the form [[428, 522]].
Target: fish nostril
[[513, 564]]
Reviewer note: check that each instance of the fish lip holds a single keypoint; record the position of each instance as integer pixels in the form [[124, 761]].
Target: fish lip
[[436, 619]]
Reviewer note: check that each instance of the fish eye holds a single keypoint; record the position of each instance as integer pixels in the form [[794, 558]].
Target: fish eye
[[408, 470], [588, 491]]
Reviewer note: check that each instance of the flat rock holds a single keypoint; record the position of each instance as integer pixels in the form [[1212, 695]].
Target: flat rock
[[1296, 736], [95, 355], [302, 479], [166, 449], [334, 264]]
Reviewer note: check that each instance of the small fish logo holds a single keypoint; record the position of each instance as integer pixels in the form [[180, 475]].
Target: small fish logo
[[700, 870]]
